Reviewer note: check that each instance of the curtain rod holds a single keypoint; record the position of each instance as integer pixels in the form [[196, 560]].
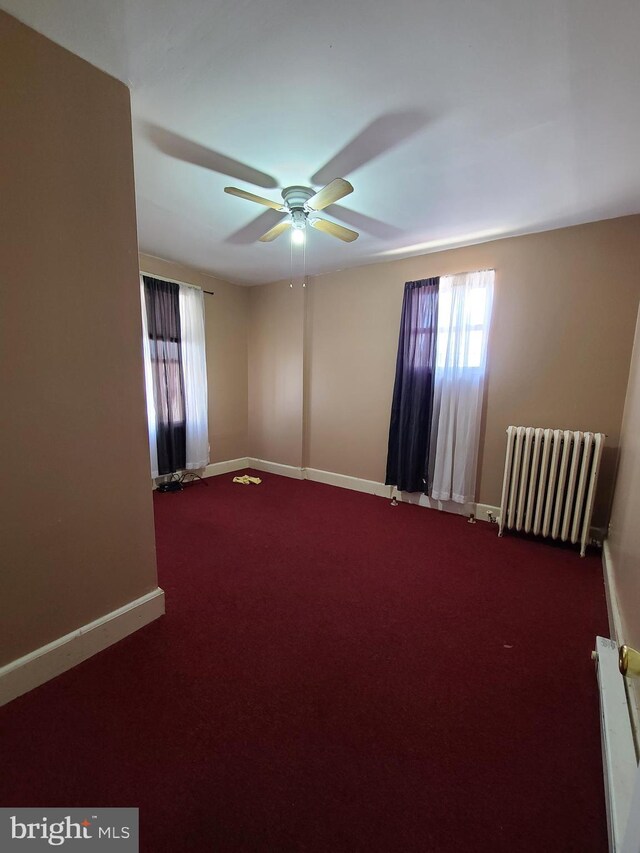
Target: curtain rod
[[175, 281], [466, 272]]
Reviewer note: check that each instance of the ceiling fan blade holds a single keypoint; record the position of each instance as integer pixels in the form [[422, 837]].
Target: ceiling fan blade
[[383, 134], [363, 223], [257, 198], [254, 229], [182, 148], [334, 229], [276, 231], [338, 188]]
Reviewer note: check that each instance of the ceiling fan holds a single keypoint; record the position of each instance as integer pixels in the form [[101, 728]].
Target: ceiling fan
[[301, 205]]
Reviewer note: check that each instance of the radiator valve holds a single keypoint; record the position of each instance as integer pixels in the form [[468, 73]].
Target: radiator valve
[[491, 517]]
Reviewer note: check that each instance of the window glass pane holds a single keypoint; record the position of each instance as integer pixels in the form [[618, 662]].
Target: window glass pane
[[442, 343], [475, 305], [474, 354], [444, 305], [468, 340]]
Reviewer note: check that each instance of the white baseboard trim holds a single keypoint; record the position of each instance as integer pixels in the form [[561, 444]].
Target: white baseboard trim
[[343, 481], [480, 511], [276, 468], [617, 633], [48, 661], [483, 511], [214, 469], [618, 755], [356, 484], [373, 487], [611, 595]]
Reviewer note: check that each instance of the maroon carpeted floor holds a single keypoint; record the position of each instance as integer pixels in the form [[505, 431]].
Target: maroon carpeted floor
[[334, 674]]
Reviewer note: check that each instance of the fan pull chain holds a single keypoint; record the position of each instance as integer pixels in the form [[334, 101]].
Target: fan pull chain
[[291, 263], [304, 261]]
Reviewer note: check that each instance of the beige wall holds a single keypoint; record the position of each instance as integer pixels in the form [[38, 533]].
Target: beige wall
[[624, 530], [275, 373], [562, 332], [226, 318], [76, 508]]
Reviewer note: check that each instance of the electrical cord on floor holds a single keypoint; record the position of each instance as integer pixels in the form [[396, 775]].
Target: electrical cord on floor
[[177, 482]]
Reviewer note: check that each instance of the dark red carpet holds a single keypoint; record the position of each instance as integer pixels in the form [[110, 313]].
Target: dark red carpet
[[334, 674]]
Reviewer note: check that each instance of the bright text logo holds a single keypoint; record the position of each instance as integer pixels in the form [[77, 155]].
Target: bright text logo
[[42, 829]]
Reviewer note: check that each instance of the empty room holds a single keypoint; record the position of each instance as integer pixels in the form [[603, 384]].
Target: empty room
[[320, 426]]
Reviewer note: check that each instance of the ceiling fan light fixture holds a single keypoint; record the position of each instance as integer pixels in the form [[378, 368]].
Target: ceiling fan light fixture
[[298, 235], [298, 226]]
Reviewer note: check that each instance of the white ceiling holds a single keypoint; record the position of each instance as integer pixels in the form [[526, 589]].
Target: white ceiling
[[455, 120]]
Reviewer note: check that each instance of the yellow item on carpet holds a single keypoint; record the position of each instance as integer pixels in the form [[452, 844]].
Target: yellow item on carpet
[[246, 480]]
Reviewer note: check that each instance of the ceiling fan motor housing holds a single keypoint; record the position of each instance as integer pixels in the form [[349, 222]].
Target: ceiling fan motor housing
[[296, 197]]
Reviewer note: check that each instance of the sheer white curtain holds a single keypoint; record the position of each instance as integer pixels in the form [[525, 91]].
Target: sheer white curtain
[[194, 367], [148, 386], [194, 370], [464, 315]]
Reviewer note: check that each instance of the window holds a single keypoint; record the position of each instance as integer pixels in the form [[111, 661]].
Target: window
[[437, 398], [463, 320], [175, 375]]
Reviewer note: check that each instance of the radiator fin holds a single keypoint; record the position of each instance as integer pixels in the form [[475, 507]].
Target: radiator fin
[[549, 482]]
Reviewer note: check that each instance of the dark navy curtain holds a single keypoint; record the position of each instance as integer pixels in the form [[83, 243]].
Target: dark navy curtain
[[165, 336], [410, 427]]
